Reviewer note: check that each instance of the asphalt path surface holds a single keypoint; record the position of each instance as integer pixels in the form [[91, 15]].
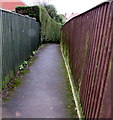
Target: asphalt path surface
[[42, 93]]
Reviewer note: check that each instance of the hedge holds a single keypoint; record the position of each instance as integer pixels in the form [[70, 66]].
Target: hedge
[[50, 29]]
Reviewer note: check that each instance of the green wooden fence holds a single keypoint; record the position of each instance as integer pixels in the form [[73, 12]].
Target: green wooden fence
[[19, 37], [0, 48]]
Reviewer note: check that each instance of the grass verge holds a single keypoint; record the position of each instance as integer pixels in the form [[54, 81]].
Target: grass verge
[[73, 90], [70, 104]]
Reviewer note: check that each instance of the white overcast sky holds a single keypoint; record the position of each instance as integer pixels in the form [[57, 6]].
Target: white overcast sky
[[69, 6]]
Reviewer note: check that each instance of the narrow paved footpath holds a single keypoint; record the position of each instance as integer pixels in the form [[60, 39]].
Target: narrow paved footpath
[[42, 93]]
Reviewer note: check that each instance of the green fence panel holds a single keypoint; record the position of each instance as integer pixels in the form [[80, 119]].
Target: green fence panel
[[19, 37], [0, 49]]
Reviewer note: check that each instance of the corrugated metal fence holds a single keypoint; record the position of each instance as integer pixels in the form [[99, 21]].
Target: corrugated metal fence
[[87, 40], [20, 36]]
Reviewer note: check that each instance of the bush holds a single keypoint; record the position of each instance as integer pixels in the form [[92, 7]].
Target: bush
[[50, 30]]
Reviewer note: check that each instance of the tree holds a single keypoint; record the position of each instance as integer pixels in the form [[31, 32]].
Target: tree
[[60, 18], [53, 13], [51, 10]]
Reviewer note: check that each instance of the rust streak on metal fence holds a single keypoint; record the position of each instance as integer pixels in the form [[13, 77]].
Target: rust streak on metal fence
[[87, 43]]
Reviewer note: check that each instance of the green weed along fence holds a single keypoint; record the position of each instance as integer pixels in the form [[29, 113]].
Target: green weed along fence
[[20, 36]]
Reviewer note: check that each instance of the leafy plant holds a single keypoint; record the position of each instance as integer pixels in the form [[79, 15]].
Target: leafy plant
[[33, 52], [25, 63], [21, 67]]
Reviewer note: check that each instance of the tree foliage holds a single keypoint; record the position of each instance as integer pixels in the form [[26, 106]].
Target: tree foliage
[[53, 13], [50, 29], [51, 10]]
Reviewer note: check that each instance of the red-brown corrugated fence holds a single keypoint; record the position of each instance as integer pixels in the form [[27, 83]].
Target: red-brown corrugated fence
[[87, 42]]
